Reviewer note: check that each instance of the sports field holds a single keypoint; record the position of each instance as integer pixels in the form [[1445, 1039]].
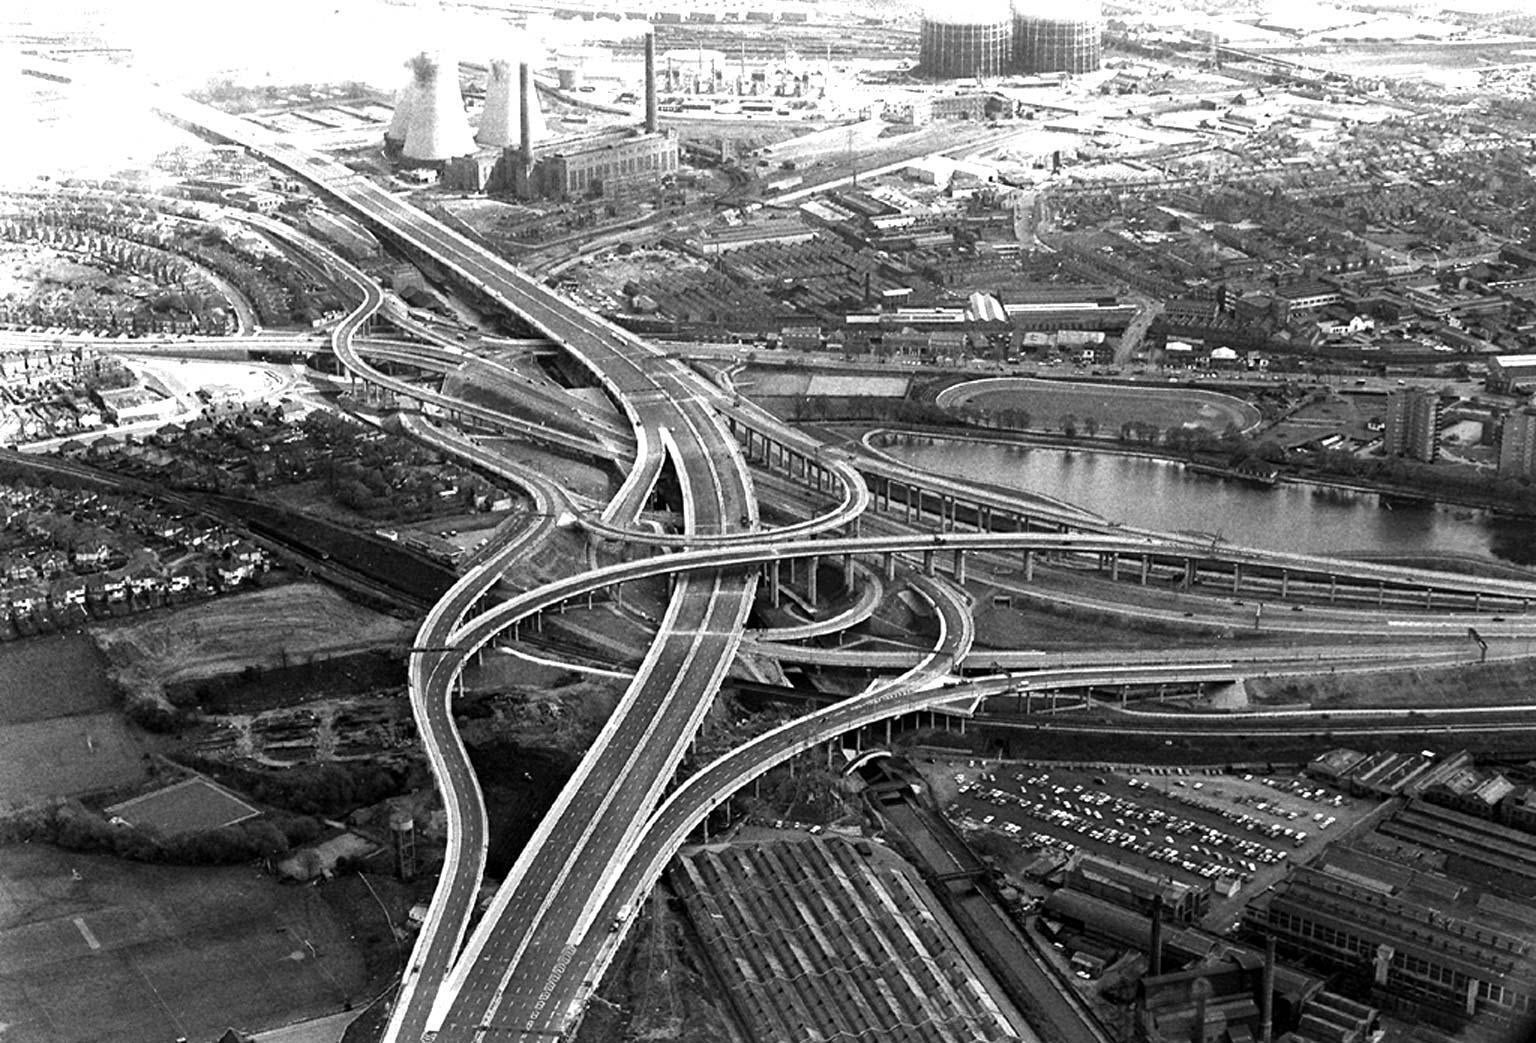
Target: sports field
[[96, 949], [187, 805], [1048, 401], [67, 756]]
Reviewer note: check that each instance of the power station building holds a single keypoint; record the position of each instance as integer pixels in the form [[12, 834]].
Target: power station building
[[609, 162], [990, 38]]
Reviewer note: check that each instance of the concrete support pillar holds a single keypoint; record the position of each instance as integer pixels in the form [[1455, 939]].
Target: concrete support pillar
[[927, 562], [854, 525], [1237, 576], [960, 566], [888, 560], [1429, 598], [1189, 573], [538, 623], [906, 504], [1381, 593], [1285, 582], [848, 570], [1146, 568], [1333, 588], [1114, 565], [1029, 566], [773, 583], [810, 580]]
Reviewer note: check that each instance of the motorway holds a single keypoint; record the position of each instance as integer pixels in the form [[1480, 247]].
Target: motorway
[[530, 965]]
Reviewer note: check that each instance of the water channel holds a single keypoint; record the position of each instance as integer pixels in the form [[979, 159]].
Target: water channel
[[1159, 494]]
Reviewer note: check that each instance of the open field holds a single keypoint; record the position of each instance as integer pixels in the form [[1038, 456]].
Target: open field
[[1506, 683], [1048, 401], [51, 676], [268, 628], [191, 804], [143, 953], [67, 756]]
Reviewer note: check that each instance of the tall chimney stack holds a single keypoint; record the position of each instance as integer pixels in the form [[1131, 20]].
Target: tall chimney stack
[[1267, 998], [650, 83], [525, 117], [1155, 956]]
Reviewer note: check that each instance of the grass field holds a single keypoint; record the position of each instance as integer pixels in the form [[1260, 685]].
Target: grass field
[[68, 756], [51, 676], [191, 804], [1048, 401], [96, 950]]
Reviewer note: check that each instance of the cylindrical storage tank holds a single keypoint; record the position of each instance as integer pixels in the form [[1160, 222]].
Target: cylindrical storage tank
[[1048, 39], [965, 38]]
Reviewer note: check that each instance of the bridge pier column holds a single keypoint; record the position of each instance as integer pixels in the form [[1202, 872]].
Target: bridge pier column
[[984, 518], [888, 560], [810, 580], [1114, 566], [1023, 523], [960, 566], [773, 583], [1285, 582], [1477, 601], [1146, 567], [906, 504], [1333, 588], [1429, 597], [1237, 576], [927, 562], [1189, 573], [887, 731], [848, 571], [854, 525], [1381, 593], [1029, 566], [946, 509], [538, 623]]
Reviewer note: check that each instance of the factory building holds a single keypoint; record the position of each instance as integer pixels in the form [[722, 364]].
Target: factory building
[[1431, 908], [966, 38], [602, 164], [1048, 38]]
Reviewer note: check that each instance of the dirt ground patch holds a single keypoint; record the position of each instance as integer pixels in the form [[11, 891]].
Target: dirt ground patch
[[97, 950], [268, 628], [70, 756]]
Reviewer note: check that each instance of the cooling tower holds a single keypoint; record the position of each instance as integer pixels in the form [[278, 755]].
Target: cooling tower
[[498, 124], [400, 121], [1047, 40], [965, 38], [438, 129]]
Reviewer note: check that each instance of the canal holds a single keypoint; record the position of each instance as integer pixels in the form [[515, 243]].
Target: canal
[[1164, 495]]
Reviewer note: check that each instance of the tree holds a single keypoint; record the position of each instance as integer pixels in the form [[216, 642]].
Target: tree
[[1069, 425]]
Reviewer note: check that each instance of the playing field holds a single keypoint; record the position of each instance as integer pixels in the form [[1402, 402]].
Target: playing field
[[95, 949], [66, 756], [1048, 402], [191, 804]]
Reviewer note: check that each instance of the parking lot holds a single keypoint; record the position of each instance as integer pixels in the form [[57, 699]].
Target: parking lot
[[1235, 833]]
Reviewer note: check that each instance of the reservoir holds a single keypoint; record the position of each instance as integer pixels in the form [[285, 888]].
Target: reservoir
[[1163, 495]]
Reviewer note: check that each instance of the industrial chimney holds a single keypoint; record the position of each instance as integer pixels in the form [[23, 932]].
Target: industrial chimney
[[525, 117], [438, 129], [531, 127], [650, 83], [496, 126], [1267, 997], [400, 121]]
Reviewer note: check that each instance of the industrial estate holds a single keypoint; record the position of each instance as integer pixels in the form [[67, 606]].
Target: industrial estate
[[774, 522]]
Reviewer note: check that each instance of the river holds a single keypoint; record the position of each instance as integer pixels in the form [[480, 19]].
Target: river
[[1161, 494]]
